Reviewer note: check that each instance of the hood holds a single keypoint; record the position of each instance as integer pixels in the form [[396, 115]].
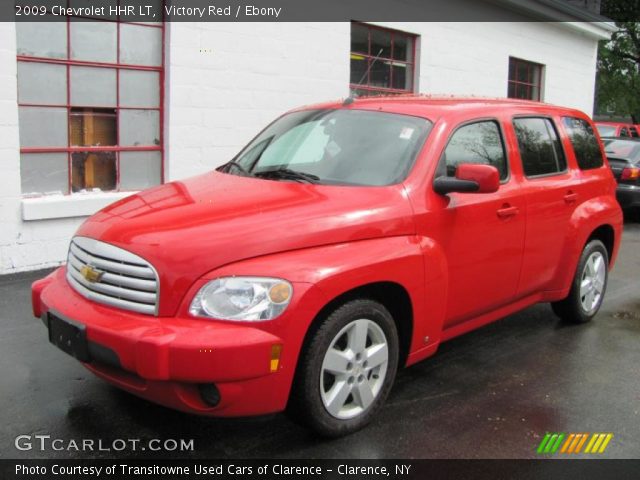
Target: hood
[[186, 229]]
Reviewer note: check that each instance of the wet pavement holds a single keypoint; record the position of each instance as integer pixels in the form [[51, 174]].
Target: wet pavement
[[492, 393]]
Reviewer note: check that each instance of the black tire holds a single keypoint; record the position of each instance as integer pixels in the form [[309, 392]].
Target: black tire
[[571, 309], [311, 382]]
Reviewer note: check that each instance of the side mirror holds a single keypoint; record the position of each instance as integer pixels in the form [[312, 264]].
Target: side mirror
[[470, 177]]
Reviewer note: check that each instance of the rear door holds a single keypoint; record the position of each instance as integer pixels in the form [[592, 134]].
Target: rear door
[[552, 192]]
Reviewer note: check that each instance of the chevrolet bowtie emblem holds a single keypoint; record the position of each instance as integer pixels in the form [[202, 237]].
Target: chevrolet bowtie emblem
[[91, 274]]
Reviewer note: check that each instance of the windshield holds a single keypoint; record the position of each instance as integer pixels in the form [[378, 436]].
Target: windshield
[[340, 147], [606, 130]]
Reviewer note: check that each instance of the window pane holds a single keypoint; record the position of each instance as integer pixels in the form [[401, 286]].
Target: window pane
[[139, 88], [93, 41], [139, 127], [93, 170], [584, 142], [139, 170], [42, 83], [361, 92], [358, 69], [92, 126], [42, 39], [539, 146], [44, 172], [535, 93], [43, 127], [380, 75], [380, 43], [522, 91], [359, 38], [512, 70], [402, 76], [140, 45], [93, 86], [402, 47], [477, 143], [522, 72]]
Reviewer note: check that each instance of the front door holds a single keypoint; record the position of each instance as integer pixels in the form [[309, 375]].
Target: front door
[[482, 234]]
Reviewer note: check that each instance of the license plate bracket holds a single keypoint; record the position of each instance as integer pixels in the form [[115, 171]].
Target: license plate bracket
[[68, 336]]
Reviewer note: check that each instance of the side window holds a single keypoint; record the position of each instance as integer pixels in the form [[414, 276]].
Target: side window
[[584, 142], [539, 146], [634, 132], [479, 142], [624, 132]]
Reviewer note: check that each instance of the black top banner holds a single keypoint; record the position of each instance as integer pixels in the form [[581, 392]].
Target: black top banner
[[299, 10]]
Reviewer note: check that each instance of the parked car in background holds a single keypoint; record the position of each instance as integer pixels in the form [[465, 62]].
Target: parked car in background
[[345, 241], [624, 161], [617, 129]]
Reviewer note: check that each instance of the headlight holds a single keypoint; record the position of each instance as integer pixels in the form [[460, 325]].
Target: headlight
[[242, 298]]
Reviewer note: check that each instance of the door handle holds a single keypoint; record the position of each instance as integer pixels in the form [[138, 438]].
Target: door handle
[[570, 197], [507, 211]]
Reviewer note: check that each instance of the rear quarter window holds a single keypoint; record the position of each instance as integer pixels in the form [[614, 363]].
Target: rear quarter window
[[539, 146], [584, 142]]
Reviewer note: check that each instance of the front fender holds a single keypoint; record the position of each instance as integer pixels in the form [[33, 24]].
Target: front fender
[[586, 218], [321, 274]]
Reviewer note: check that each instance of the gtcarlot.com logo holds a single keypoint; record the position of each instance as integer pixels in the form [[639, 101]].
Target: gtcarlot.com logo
[[572, 443], [45, 443]]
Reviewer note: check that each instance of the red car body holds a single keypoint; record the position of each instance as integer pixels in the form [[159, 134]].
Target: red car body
[[457, 261]]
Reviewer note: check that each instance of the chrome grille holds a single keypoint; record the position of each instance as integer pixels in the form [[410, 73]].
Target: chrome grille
[[122, 279]]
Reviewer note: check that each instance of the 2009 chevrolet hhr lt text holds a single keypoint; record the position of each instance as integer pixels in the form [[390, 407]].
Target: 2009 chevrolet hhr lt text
[[345, 241]]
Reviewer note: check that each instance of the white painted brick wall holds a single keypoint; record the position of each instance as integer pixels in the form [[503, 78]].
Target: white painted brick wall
[[226, 81], [473, 59], [23, 245]]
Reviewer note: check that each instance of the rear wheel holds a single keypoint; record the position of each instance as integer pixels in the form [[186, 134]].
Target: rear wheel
[[588, 287], [347, 369]]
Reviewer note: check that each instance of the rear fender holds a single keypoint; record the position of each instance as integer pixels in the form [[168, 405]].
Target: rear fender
[[586, 218]]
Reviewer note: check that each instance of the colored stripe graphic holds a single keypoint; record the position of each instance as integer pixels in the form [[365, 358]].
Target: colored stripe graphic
[[581, 443], [598, 442], [572, 443], [543, 443]]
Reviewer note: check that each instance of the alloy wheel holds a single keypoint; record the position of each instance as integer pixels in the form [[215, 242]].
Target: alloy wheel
[[354, 369]]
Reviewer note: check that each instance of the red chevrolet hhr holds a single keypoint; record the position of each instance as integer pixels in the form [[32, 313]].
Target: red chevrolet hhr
[[345, 241]]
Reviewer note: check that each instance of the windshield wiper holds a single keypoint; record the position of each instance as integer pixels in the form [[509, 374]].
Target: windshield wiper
[[288, 174], [233, 164]]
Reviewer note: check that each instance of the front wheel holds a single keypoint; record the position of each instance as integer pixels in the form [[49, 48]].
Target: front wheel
[[588, 287], [347, 369]]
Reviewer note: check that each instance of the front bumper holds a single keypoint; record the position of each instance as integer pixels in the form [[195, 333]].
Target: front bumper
[[165, 359]]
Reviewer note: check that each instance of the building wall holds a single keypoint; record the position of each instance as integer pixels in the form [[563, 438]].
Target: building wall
[[226, 81], [23, 245], [473, 58]]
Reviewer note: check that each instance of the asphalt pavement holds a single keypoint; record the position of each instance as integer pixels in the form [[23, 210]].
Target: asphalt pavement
[[492, 393]]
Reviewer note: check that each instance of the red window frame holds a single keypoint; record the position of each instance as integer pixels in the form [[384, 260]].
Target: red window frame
[[118, 66], [371, 56], [519, 85]]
